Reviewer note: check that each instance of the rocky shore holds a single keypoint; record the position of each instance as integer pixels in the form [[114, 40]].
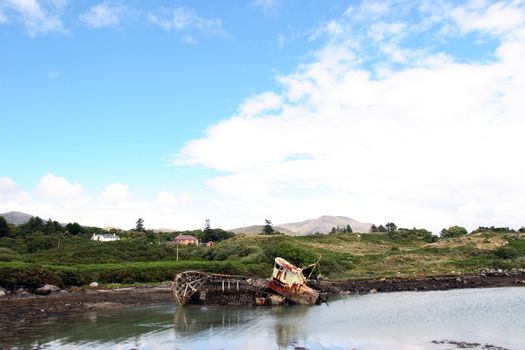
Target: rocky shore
[[485, 279], [23, 306]]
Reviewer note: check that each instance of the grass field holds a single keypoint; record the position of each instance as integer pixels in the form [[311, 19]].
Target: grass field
[[343, 256]]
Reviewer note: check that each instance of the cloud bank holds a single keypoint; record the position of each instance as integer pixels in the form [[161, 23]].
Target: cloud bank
[[58, 198], [388, 121]]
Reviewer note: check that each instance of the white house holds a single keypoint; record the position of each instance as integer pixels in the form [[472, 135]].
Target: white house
[[105, 237]]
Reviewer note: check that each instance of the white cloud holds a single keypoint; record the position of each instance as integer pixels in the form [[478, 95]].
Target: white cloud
[[11, 197], [182, 19], [37, 16], [104, 14], [432, 143], [260, 103], [60, 199], [115, 193], [58, 188], [500, 17], [269, 7]]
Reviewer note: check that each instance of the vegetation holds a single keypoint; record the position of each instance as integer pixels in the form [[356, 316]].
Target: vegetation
[[140, 225], [46, 252], [4, 228], [268, 228], [453, 231], [341, 229]]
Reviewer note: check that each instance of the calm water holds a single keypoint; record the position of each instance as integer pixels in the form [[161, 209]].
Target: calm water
[[407, 320]]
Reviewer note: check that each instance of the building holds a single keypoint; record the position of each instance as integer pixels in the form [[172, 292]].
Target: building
[[185, 240], [105, 237]]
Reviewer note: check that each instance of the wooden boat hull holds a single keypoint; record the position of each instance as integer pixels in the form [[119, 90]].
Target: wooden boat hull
[[303, 294], [213, 289]]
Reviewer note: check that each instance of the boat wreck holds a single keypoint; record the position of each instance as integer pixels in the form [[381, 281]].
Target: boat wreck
[[287, 285], [288, 280]]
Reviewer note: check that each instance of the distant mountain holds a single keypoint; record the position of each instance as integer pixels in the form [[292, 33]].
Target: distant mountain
[[257, 229], [16, 218], [322, 224]]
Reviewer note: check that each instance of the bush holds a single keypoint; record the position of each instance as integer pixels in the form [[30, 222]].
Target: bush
[[231, 250], [7, 254], [453, 231], [290, 251], [411, 234], [506, 253], [15, 275]]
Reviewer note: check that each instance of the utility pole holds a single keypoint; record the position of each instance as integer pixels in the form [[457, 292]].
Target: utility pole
[[177, 251]]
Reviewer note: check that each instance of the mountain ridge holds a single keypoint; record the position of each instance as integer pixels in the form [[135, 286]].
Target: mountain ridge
[[16, 217], [322, 224]]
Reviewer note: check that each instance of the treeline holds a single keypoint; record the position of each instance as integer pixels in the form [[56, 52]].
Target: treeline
[[341, 229], [30, 242], [453, 231], [457, 231]]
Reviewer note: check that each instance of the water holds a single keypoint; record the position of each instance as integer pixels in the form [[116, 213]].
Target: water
[[406, 320]]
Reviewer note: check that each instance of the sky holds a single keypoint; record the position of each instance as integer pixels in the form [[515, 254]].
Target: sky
[[410, 111]]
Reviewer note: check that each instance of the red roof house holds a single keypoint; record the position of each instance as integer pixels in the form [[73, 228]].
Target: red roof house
[[185, 240]]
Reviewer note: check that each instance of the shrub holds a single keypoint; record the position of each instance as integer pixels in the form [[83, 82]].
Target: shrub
[[453, 231], [7, 254], [506, 253], [290, 251], [32, 276]]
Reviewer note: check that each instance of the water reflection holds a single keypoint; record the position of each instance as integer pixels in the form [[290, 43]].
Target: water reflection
[[200, 322], [383, 321], [191, 320]]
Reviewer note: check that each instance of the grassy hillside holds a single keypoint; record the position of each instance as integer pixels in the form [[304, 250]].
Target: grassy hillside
[[65, 260]]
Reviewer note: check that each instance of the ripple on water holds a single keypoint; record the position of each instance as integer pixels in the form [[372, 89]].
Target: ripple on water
[[488, 319]]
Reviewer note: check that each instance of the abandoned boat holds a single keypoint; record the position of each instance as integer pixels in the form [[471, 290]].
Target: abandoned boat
[[287, 285], [288, 280]]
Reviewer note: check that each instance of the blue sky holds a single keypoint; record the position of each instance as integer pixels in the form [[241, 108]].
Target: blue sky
[[123, 97], [244, 110]]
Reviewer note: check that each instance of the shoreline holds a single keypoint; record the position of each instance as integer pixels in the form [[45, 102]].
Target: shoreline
[[25, 308]]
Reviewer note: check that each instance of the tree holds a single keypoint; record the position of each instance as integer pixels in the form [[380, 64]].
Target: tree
[[207, 225], [522, 229], [381, 228], [140, 225], [35, 224], [4, 227], [215, 235], [268, 229], [373, 228], [348, 229], [391, 227], [74, 228], [333, 230], [52, 227], [453, 231]]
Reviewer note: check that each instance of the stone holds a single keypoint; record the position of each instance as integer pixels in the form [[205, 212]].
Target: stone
[[2, 292], [93, 285], [47, 289], [373, 291]]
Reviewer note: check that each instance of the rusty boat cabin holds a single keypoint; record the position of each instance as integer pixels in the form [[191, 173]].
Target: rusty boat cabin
[[286, 286], [288, 280]]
